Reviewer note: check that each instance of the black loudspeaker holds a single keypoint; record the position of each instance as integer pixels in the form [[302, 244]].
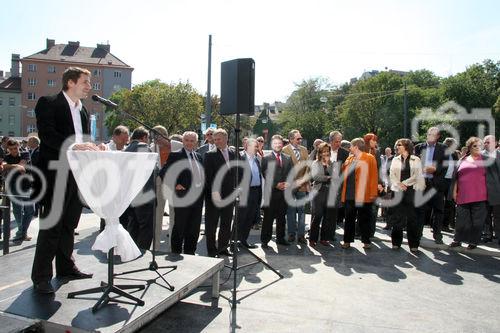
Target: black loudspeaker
[[237, 87]]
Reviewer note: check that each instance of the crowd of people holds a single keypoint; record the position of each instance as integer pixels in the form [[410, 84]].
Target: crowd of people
[[341, 182]]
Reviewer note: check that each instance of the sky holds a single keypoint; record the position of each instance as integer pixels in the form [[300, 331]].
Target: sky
[[290, 41]]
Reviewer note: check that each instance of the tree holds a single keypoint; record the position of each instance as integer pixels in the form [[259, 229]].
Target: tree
[[476, 87], [178, 107], [305, 111]]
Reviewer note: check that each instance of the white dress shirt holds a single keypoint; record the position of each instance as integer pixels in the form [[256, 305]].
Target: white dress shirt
[[77, 118]]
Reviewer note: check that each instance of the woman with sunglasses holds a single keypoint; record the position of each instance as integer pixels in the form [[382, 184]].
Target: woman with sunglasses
[[470, 194], [405, 178]]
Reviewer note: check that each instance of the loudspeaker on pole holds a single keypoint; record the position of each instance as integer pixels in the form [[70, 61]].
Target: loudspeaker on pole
[[237, 86]]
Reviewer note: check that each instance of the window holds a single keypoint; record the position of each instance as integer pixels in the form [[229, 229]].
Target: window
[[31, 67], [31, 96], [96, 86], [1, 101], [97, 72], [12, 101], [11, 133], [117, 74], [116, 87], [31, 128], [51, 83], [51, 69], [30, 113], [12, 120], [31, 81]]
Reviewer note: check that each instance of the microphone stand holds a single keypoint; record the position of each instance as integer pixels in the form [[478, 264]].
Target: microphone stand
[[153, 265]]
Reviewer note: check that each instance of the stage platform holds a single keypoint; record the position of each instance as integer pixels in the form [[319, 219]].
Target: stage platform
[[56, 313]]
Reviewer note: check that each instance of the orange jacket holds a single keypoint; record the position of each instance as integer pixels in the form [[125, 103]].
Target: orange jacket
[[366, 177]]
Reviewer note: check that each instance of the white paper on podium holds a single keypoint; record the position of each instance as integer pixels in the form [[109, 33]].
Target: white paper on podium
[[109, 181]]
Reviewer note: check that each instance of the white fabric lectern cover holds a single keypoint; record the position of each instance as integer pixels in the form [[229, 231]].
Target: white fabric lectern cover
[[109, 181]]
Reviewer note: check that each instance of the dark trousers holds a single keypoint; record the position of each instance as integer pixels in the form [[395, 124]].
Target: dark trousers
[[322, 215], [141, 224], [276, 210], [470, 221], [186, 228], [449, 208], [364, 217], [249, 213], [492, 223], [406, 216], [436, 205], [57, 241], [212, 216]]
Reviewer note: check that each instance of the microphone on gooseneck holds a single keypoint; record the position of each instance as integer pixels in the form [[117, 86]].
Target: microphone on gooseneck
[[104, 101]]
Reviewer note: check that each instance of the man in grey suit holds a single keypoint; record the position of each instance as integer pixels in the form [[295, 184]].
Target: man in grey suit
[[209, 143]]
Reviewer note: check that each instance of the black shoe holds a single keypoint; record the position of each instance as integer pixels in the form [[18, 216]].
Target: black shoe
[[165, 214], [282, 242], [247, 245], [44, 287], [471, 247], [75, 275], [302, 240], [455, 244], [486, 239], [225, 253], [291, 238]]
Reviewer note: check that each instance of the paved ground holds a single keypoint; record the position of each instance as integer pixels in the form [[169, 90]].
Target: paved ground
[[328, 289]]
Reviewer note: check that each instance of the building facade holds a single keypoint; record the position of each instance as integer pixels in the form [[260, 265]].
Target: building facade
[[10, 101], [42, 74]]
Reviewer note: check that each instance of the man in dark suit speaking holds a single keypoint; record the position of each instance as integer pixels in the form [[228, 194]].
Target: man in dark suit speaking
[[61, 120]]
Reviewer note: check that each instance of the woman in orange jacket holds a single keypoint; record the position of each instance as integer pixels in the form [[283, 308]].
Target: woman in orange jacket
[[359, 191]]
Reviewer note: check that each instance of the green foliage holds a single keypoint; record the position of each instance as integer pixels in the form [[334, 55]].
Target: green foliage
[[178, 107]]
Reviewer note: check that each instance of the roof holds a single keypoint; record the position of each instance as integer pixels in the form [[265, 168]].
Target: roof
[[73, 52], [11, 84]]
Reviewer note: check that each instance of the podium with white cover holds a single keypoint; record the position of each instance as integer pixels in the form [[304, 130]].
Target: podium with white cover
[[109, 181]]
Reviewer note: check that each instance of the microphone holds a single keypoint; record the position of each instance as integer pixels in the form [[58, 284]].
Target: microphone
[[104, 101]]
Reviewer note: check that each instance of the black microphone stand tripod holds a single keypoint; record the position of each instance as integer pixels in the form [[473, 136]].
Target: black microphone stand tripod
[[153, 265]]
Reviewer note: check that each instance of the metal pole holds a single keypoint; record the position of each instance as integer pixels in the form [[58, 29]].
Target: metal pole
[[208, 101], [405, 112]]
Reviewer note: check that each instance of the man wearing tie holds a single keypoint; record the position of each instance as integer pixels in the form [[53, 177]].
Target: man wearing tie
[[187, 219], [295, 215], [249, 210], [215, 161], [432, 155], [275, 208]]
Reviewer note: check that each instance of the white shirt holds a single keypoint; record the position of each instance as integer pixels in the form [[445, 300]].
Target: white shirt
[[75, 109], [333, 156]]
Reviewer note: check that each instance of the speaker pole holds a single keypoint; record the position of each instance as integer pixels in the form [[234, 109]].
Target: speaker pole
[[208, 101]]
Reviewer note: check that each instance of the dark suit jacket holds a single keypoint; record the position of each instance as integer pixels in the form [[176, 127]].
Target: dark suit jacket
[[493, 179], [280, 173], [438, 158], [55, 125], [203, 150], [213, 162], [186, 176]]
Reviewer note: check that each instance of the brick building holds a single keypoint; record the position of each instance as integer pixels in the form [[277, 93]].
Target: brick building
[[42, 73]]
